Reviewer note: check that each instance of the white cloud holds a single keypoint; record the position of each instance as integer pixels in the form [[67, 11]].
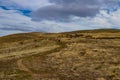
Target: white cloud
[[12, 21], [6, 32], [24, 4], [31, 4]]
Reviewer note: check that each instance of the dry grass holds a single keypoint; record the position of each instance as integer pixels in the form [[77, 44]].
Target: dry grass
[[80, 55]]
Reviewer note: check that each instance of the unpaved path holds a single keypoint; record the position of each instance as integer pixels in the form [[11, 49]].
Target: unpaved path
[[34, 75], [22, 67], [26, 52]]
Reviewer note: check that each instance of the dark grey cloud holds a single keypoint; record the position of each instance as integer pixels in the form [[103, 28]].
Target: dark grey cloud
[[63, 9]]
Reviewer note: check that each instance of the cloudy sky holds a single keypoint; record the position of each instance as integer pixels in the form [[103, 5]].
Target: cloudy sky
[[18, 16]]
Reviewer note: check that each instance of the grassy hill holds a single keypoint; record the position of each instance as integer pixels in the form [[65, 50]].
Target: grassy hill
[[77, 55]]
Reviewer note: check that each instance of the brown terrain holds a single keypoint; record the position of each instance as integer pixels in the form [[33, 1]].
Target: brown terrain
[[78, 55]]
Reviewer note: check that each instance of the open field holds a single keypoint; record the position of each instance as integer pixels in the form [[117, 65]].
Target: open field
[[78, 55]]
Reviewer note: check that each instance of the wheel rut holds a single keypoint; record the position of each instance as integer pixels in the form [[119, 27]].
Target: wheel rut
[[23, 67]]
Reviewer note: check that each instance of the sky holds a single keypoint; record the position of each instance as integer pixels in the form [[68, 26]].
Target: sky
[[20, 16]]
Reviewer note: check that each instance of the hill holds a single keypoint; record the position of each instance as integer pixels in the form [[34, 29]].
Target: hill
[[77, 55]]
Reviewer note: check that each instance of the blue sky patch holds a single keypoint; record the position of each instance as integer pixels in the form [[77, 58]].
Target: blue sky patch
[[26, 12], [5, 8]]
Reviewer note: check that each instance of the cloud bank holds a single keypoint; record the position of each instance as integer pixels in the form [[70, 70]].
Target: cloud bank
[[24, 4], [57, 15], [63, 10]]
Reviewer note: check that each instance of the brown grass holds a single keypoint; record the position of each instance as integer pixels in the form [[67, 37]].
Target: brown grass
[[80, 55]]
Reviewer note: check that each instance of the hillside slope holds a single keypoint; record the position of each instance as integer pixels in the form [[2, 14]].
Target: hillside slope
[[78, 55]]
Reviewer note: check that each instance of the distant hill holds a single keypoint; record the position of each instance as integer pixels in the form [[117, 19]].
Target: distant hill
[[77, 55]]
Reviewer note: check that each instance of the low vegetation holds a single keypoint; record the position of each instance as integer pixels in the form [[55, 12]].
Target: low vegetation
[[78, 55]]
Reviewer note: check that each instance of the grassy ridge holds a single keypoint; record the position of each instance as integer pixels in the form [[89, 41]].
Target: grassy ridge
[[78, 55]]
